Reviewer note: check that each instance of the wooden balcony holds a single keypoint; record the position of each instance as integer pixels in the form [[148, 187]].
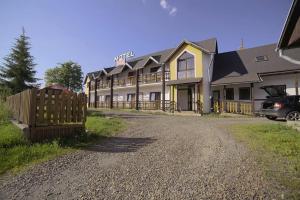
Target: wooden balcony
[[155, 77], [143, 105]]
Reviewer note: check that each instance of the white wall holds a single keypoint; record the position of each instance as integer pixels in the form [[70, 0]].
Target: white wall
[[260, 95], [207, 63], [288, 80]]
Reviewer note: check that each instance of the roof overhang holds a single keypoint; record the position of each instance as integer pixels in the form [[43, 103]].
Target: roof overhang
[[184, 81], [290, 36]]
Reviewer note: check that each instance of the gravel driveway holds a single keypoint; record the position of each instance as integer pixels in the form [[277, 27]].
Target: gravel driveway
[[158, 157]]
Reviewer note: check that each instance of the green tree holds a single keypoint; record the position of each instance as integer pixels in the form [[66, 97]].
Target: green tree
[[68, 74], [17, 71]]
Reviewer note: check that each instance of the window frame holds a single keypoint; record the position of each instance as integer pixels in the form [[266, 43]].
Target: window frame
[[245, 99], [131, 95], [227, 93], [155, 93], [187, 68]]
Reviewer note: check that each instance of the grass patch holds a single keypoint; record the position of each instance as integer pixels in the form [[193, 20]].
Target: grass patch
[[17, 152], [277, 148]]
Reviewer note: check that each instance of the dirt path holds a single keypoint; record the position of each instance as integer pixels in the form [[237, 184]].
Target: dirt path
[[158, 157]]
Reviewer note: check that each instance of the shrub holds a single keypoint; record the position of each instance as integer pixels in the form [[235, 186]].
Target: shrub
[[4, 113]]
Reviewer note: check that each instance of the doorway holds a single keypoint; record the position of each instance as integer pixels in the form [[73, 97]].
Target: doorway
[[184, 99]]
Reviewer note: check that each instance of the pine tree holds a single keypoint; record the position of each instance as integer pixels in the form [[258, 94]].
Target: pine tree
[[17, 71]]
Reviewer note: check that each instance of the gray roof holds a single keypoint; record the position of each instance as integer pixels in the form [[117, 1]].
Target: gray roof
[[209, 45], [159, 56], [117, 70], [241, 66]]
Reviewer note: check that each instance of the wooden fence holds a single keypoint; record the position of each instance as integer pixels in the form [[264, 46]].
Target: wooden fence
[[49, 113]]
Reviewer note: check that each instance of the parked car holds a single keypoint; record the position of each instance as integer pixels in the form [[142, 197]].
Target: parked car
[[279, 105]]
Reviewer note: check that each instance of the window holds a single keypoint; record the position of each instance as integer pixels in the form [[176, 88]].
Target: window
[[261, 58], [107, 98], [130, 74], [229, 93], [185, 66], [244, 93], [131, 97], [154, 96]]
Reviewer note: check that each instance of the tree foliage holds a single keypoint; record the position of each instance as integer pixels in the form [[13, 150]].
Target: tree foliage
[[68, 74], [17, 71]]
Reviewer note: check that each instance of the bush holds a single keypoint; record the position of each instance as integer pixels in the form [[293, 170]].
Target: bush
[[4, 113]]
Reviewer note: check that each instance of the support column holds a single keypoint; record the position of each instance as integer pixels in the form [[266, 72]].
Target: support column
[[224, 99], [252, 98], [96, 99], [163, 89], [89, 94], [137, 91], [112, 91], [296, 84]]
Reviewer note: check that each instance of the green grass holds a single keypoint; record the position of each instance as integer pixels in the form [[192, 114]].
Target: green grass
[[17, 153], [277, 148]]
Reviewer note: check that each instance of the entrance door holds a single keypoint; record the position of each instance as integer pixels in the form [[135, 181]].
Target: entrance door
[[183, 100]]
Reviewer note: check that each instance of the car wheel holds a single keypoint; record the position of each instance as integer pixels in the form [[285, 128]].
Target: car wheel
[[293, 116], [271, 117]]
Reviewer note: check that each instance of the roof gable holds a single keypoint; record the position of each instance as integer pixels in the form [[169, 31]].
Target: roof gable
[[207, 46]]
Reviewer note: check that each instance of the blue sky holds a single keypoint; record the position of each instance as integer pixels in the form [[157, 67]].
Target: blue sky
[[93, 32]]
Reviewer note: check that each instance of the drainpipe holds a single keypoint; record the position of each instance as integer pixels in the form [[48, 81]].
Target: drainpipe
[[163, 89]]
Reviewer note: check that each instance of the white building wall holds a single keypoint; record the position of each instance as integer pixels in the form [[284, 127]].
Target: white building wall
[[287, 79], [259, 95], [207, 62]]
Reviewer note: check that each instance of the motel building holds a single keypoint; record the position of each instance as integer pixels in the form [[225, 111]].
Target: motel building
[[194, 76]]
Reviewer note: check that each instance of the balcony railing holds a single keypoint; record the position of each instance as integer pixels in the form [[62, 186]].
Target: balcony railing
[[239, 107], [155, 77], [143, 105]]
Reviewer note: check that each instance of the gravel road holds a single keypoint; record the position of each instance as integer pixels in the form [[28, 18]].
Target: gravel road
[[158, 157]]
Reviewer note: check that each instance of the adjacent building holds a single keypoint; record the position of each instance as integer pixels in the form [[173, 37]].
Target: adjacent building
[[194, 76]]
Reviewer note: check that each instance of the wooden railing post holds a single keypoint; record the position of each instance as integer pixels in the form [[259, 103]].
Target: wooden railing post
[[95, 97], [252, 98], [137, 93], [111, 91]]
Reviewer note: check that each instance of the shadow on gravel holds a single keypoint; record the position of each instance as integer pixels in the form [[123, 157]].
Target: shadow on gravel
[[130, 116], [121, 144]]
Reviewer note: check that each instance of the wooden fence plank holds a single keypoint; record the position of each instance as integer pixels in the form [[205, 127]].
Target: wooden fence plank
[[41, 116], [68, 108]]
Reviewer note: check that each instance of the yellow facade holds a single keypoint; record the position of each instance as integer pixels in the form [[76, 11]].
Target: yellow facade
[[198, 61], [173, 67], [86, 89]]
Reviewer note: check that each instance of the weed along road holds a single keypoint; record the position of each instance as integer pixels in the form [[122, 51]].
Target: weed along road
[[157, 157]]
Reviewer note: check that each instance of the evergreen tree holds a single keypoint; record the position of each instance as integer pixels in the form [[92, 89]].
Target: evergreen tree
[[17, 71]]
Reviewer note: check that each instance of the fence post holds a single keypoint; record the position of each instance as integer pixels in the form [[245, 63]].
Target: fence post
[[32, 106]]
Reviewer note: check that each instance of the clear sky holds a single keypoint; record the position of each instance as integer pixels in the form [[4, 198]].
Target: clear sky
[[93, 32]]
